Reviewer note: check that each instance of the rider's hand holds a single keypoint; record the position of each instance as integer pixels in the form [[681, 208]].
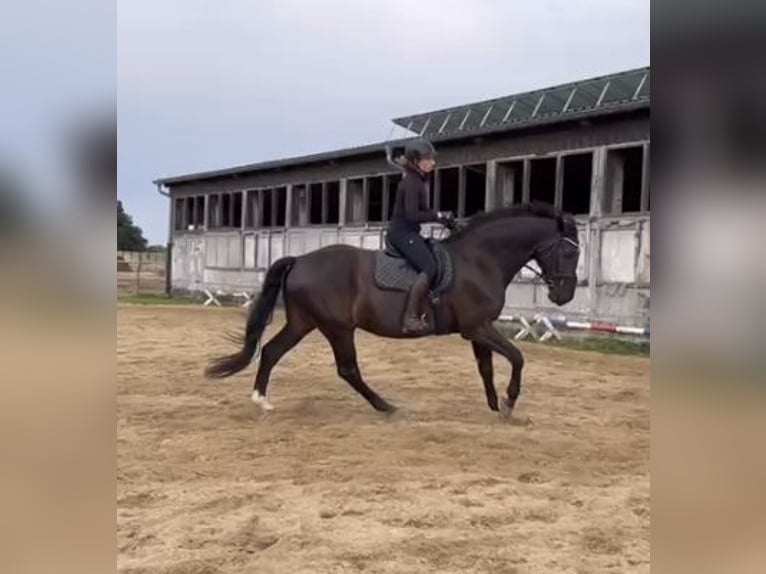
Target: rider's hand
[[446, 216]]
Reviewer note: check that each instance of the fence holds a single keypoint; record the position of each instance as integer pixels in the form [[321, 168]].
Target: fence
[[141, 273], [541, 327]]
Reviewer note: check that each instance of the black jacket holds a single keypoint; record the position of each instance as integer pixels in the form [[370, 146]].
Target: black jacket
[[411, 203]]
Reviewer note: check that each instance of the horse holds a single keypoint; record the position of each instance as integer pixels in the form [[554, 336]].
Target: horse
[[333, 289]]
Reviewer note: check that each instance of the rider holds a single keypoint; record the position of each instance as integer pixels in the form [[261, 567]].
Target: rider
[[410, 210]]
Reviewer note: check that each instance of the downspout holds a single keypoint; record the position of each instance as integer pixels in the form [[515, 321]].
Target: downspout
[[169, 246]]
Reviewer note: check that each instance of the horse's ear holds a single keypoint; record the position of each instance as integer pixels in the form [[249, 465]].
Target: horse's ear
[[567, 223]]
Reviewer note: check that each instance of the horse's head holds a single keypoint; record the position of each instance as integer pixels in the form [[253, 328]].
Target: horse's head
[[530, 231], [557, 258]]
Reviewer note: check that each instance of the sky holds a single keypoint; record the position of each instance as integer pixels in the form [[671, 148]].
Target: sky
[[206, 85]]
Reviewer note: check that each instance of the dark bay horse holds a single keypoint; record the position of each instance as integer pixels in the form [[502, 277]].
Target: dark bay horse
[[332, 289]]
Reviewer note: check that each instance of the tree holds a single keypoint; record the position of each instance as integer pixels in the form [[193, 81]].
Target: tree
[[129, 236]]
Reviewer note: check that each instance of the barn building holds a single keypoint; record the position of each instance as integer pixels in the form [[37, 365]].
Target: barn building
[[582, 146]]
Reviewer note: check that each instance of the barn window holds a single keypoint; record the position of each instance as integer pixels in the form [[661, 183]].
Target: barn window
[[449, 196], [214, 211], [542, 180], [236, 209], [280, 205], [374, 207], [624, 168], [179, 214], [265, 208], [392, 183], [578, 171], [324, 203], [199, 211], [267, 201], [376, 200], [332, 198], [431, 185], [475, 188], [189, 221], [226, 210], [646, 197], [316, 196]]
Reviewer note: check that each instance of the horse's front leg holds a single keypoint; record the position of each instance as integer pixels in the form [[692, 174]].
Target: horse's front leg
[[487, 336]]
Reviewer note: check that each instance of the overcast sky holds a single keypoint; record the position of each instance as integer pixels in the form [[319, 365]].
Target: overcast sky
[[206, 85]]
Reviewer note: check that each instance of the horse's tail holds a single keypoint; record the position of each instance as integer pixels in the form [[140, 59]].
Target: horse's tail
[[256, 322]]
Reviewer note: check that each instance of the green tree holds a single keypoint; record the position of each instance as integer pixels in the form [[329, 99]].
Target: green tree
[[129, 235]]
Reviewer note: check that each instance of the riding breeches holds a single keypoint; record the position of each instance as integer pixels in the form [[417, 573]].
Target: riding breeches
[[413, 247]]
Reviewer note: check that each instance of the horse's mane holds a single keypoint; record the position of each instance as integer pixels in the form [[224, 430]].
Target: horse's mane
[[565, 221]]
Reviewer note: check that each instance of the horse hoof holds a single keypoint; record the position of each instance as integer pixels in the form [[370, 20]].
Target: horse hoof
[[262, 401], [385, 408], [505, 408]]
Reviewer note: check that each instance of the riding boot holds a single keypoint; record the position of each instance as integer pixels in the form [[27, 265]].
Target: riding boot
[[413, 322]]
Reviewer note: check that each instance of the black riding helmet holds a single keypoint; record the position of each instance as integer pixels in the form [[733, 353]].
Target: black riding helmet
[[418, 149]]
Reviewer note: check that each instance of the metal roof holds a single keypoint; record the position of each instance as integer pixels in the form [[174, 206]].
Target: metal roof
[[595, 96], [286, 162]]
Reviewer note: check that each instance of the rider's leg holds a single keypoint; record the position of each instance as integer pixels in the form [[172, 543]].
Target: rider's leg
[[421, 258]]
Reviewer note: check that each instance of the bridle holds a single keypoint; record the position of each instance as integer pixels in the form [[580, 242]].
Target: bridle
[[538, 252]]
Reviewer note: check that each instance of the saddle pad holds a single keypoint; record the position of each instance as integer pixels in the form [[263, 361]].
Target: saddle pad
[[395, 273]]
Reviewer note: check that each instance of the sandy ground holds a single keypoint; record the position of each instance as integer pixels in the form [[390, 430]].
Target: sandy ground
[[324, 484]]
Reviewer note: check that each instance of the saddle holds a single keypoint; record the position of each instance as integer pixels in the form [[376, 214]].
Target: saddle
[[394, 273]]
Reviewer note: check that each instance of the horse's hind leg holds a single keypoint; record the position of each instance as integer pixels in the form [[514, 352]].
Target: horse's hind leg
[[290, 335], [483, 356], [342, 342]]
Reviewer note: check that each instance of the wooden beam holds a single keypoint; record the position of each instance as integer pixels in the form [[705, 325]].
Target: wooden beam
[[343, 202], [558, 198], [598, 181], [247, 218], [274, 202], [213, 200], [645, 180], [526, 178], [184, 214], [506, 193], [301, 201], [324, 202], [309, 201], [490, 195], [366, 202], [615, 182], [461, 184], [386, 210], [259, 208], [243, 211], [289, 206]]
